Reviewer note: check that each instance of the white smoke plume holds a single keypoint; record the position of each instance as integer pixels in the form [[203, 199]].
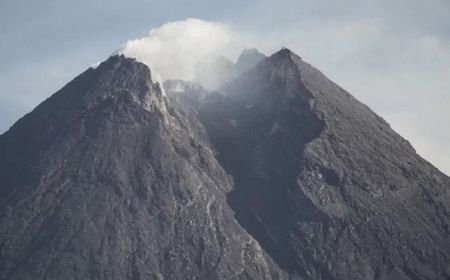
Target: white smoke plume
[[174, 50]]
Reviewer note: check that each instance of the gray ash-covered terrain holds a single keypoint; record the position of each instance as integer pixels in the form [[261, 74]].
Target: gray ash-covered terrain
[[278, 174]]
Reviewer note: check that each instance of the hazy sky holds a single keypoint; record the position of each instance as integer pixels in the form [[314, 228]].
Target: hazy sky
[[392, 55]]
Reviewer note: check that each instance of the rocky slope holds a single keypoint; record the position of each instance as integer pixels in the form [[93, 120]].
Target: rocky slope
[[280, 174], [105, 180], [327, 188]]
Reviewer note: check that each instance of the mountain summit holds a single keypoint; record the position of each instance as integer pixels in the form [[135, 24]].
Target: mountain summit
[[247, 59], [278, 174]]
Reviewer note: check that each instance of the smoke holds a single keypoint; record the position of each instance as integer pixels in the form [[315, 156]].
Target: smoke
[[174, 50]]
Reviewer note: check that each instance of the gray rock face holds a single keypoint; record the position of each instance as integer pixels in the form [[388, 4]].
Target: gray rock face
[[325, 186], [106, 181], [280, 174]]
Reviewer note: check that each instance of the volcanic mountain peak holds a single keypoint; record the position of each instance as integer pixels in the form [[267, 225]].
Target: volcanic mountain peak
[[285, 52], [249, 58], [216, 70], [279, 174]]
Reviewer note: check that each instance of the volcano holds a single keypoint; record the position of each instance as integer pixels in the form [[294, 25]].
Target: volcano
[[277, 174]]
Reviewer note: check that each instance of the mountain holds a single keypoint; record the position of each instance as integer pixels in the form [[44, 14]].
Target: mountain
[[247, 59], [215, 71], [104, 180], [278, 174], [327, 188]]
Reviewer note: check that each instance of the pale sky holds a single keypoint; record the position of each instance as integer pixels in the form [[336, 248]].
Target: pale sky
[[392, 55]]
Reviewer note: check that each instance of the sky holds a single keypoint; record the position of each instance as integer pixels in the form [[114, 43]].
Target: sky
[[392, 55]]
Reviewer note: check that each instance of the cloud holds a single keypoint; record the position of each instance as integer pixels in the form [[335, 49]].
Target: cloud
[[175, 49]]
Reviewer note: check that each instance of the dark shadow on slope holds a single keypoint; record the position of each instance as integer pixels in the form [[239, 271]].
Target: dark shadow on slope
[[262, 148]]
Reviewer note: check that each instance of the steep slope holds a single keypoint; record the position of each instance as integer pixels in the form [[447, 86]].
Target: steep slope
[[327, 188], [105, 180]]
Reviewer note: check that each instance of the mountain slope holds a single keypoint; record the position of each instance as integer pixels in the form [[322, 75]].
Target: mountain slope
[[104, 180], [327, 188]]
